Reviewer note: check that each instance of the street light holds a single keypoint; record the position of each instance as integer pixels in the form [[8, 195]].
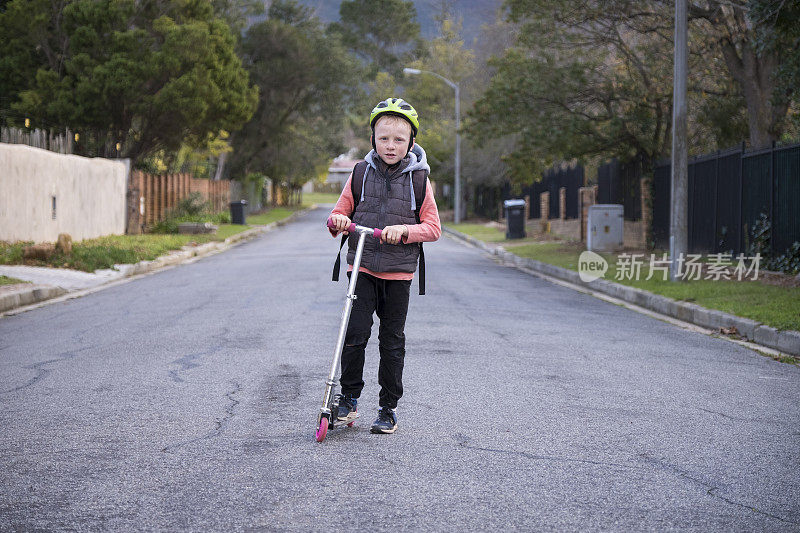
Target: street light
[[457, 203]]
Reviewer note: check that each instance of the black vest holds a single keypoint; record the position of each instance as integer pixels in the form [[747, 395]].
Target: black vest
[[385, 203]]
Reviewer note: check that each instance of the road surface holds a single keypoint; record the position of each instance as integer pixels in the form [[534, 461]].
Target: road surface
[[186, 400]]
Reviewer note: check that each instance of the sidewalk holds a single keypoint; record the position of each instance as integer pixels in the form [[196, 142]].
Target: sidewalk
[[47, 283], [787, 341]]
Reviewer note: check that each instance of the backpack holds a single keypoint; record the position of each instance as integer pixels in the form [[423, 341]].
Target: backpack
[[419, 179]]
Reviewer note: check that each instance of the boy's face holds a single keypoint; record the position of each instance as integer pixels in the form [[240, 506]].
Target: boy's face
[[391, 139]]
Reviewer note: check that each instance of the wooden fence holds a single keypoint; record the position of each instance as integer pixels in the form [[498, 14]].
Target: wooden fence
[[150, 197], [47, 140]]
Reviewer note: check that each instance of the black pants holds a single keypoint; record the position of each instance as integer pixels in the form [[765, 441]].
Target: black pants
[[389, 299]]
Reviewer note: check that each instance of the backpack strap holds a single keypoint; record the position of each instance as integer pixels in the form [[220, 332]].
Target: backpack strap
[[419, 180], [338, 263], [356, 183]]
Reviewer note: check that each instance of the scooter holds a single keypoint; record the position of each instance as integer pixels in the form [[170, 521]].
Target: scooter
[[329, 412]]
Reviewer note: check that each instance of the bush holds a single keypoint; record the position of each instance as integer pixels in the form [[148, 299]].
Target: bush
[[193, 208], [192, 205], [11, 253], [788, 262], [223, 217], [169, 225]]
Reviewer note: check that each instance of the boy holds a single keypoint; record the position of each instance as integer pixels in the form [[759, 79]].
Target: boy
[[386, 201]]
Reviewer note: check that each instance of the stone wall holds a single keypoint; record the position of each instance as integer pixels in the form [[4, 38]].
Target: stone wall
[[569, 228], [587, 196], [633, 234], [544, 206]]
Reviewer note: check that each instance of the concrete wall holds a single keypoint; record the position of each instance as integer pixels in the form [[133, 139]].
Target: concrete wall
[[90, 195]]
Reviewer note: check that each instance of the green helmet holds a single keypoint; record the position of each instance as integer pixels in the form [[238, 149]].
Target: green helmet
[[397, 107]]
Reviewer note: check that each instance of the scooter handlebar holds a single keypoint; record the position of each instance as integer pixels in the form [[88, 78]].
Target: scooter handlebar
[[355, 228]]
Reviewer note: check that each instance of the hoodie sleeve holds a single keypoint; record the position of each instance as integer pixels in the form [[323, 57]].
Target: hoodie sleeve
[[344, 206], [430, 228]]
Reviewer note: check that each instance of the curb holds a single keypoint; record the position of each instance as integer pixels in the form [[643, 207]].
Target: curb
[[787, 341], [29, 295], [33, 294]]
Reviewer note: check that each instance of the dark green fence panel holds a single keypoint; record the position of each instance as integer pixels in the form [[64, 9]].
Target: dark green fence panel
[[756, 190], [620, 183], [702, 205], [662, 186], [729, 202], [786, 199]]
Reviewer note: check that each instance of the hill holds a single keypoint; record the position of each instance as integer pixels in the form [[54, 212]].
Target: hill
[[473, 13]]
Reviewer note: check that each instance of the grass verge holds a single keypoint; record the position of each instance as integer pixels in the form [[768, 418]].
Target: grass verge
[[481, 232], [273, 215], [5, 280], [310, 198], [772, 305], [104, 252]]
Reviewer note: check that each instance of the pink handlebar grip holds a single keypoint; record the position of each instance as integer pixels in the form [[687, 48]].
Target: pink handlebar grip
[[332, 225], [352, 228]]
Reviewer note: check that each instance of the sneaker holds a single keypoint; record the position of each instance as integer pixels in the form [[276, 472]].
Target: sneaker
[[347, 408], [386, 421]]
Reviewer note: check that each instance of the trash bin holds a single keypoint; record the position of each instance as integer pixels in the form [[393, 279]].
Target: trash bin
[[237, 212], [515, 219]]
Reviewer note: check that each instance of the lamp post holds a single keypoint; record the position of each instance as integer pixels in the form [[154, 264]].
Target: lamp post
[[457, 202]]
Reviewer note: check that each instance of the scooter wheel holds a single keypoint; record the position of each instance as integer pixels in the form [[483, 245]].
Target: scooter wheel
[[322, 430]]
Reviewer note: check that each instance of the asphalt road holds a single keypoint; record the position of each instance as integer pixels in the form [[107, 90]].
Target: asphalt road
[[186, 400]]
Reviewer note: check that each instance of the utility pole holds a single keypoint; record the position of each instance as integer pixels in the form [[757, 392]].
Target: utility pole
[[457, 212], [678, 241]]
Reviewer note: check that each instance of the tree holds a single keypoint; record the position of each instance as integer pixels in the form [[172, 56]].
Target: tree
[[587, 81], [305, 78], [237, 12], [778, 32], [434, 100], [383, 33], [756, 69], [149, 76], [580, 82], [30, 37], [484, 157]]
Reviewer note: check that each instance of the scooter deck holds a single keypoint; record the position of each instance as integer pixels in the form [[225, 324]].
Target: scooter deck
[[346, 423]]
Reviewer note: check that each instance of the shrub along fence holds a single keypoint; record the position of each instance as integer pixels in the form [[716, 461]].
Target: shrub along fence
[[151, 197], [728, 193]]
